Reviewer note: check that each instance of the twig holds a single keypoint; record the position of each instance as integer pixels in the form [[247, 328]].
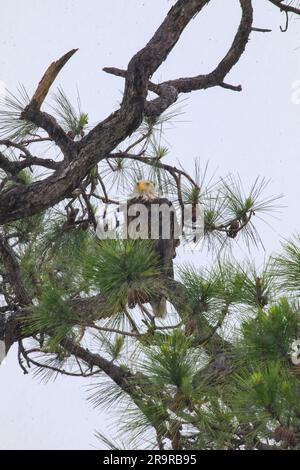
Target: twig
[[113, 330]]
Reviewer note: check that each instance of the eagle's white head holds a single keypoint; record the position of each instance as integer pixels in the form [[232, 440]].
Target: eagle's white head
[[145, 189]]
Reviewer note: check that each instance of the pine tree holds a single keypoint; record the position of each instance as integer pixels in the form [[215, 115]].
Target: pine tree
[[221, 372]]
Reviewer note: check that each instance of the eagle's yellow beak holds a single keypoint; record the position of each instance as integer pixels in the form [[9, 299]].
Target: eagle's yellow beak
[[142, 185]]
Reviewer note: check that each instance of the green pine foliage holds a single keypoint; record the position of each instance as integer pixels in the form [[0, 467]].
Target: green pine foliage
[[11, 106], [73, 120], [121, 269], [270, 334], [53, 315]]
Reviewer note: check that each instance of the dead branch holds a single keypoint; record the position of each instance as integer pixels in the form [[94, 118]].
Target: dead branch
[[285, 7]]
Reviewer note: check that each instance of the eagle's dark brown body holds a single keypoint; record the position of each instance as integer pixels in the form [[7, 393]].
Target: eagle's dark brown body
[[165, 247]]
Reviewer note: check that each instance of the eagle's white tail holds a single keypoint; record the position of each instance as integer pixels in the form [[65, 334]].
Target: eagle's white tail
[[159, 307]]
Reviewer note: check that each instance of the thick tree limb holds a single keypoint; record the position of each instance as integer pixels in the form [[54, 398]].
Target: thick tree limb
[[11, 330], [141, 67], [147, 61], [12, 322], [118, 375], [14, 167], [51, 126], [167, 96], [27, 200], [10, 333], [216, 77], [13, 272]]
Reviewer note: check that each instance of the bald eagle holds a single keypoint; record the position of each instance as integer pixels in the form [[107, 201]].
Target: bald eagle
[[161, 226]]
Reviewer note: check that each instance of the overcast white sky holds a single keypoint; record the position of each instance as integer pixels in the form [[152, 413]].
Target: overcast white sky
[[252, 133]]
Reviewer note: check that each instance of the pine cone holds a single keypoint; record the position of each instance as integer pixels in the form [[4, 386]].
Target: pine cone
[[136, 296], [233, 228]]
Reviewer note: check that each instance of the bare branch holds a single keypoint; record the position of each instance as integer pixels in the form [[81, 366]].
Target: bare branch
[[216, 77], [139, 70], [58, 370], [27, 200], [167, 96], [48, 78], [112, 330], [231, 87], [117, 374], [45, 121], [147, 61], [261, 30], [14, 167], [284, 7], [173, 170]]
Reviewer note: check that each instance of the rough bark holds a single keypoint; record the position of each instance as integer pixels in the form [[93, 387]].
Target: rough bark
[[80, 157]]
